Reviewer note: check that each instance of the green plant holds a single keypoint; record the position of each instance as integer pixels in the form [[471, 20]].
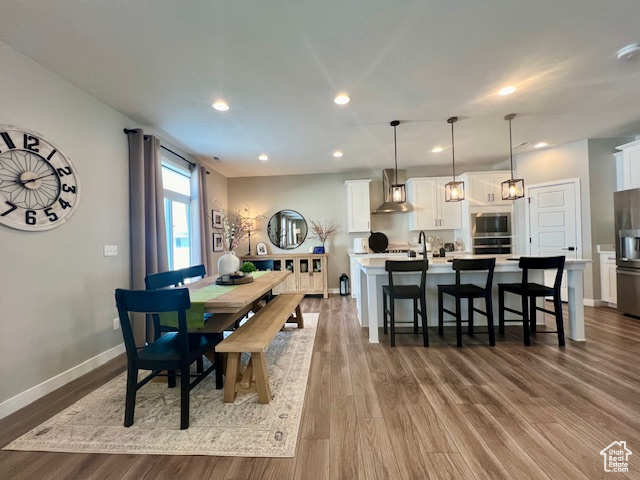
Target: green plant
[[248, 267]]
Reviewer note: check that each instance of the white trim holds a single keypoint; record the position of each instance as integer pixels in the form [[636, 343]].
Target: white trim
[[34, 393], [578, 203], [333, 290]]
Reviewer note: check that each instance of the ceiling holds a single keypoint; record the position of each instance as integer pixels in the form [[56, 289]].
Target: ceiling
[[279, 64]]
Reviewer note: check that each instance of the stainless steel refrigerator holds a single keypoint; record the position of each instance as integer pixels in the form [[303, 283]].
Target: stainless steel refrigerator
[[627, 213]]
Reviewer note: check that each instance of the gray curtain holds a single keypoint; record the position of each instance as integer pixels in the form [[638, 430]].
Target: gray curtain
[[206, 245], [146, 210]]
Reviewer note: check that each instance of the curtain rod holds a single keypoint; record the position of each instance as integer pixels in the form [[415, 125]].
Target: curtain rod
[[127, 131]]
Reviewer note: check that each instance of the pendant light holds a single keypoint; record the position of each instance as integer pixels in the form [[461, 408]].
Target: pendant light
[[453, 191], [513, 188], [398, 190]]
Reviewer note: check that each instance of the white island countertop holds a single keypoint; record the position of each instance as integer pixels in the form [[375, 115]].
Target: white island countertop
[[372, 276]]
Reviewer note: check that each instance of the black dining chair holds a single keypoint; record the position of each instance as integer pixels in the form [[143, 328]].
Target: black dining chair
[[469, 291], [172, 278], [529, 292], [394, 292], [174, 351], [193, 272]]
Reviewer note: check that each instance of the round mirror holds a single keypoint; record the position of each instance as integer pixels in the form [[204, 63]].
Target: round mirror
[[287, 229]]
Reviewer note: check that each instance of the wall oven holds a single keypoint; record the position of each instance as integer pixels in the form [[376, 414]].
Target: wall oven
[[491, 233]]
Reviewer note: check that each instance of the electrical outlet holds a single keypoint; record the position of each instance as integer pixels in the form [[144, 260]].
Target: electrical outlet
[[110, 250], [116, 323]]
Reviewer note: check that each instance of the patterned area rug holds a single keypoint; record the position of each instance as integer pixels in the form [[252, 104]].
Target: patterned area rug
[[244, 428]]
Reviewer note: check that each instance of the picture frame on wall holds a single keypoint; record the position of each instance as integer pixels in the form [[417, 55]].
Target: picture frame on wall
[[216, 218], [218, 245], [261, 248]]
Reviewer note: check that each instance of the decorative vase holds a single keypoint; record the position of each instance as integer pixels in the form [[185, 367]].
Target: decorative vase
[[228, 263]]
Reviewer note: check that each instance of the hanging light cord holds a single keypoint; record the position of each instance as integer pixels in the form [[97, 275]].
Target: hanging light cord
[[510, 117], [395, 151], [453, 154]]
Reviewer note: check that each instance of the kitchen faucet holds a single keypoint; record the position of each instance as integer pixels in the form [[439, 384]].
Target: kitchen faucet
[[422, 239]]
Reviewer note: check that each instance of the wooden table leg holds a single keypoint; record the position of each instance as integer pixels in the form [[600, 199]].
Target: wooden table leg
[[262, 378], [233, 362], [300, 320]]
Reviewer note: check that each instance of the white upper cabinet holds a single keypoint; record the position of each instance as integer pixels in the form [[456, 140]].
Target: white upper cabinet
[[485, 188], [358, 206], [630, 165], [430, 211]]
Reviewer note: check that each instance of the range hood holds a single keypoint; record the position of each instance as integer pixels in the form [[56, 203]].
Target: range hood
[[388, 179]]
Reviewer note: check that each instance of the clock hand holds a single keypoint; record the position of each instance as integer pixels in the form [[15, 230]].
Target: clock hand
[[34, 179]]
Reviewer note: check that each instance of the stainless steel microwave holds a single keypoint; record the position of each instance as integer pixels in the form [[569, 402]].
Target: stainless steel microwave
[[495, 224]]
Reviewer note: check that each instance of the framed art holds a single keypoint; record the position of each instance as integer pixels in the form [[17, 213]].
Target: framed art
[[217, 242], [216, 219], [261, 248]]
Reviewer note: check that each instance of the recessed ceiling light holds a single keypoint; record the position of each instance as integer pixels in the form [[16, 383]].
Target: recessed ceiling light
[[264, 157], [507, 90], [337, 154], [221, 105], [541, 144], [342, 99], [437, 150]]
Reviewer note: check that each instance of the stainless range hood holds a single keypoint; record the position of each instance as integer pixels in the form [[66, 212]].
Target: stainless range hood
[[388, 179]]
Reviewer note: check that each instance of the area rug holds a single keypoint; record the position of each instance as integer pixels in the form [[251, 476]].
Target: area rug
[[243, 429]]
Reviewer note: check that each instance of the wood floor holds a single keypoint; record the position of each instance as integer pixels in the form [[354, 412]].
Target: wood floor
[[373, 412]]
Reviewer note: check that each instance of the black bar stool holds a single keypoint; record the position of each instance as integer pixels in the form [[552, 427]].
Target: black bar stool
[[412, 292], [529, 292], [470, 292]]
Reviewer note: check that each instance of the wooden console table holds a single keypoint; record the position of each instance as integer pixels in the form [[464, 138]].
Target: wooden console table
[[309, 272]]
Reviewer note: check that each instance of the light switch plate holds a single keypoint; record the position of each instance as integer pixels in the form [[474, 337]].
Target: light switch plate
[[110, 250]]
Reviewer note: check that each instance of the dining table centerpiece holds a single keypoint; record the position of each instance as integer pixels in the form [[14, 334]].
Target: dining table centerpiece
[[235, 228]]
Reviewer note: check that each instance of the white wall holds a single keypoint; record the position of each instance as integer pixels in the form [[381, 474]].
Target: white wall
[[56, 287]]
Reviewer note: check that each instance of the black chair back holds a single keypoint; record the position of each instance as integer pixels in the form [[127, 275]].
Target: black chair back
[[192, 272], [475, 265], [408, 266], [151, 302], [542, 263], [263, 264], [172, 278]]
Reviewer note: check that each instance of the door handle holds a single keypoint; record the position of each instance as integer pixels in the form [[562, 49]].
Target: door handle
[[493, 197], [488, 197], [571, 249]]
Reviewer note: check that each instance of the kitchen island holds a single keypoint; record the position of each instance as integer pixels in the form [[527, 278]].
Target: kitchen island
[[372, 276]]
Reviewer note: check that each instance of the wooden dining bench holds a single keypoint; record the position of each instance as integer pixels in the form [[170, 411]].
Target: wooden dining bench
[[254, 337]]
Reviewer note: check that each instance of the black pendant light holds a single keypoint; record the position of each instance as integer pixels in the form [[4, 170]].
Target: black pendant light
[[398, 190], [453, 191], [513, 188]]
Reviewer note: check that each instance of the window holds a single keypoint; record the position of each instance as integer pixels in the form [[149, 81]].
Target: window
[[177, 213]]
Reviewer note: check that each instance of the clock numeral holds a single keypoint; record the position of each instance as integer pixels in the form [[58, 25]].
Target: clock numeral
[[30, 217], [52, 215], [13, 207], [31, 143], [7, 139], [64, 171], [64, 204], [52, 154], [68, 189]]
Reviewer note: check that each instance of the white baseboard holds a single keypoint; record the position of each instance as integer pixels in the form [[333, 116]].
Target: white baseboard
[[34, 393], [333, 290]]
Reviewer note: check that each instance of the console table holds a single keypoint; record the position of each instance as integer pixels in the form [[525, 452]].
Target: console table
[[309, 272]]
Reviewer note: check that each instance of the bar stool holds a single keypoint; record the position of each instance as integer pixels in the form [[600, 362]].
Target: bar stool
[[412, 292], [470, 292], [531, 291]]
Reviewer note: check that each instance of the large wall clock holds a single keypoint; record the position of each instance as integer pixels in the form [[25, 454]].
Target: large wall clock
[[39, 186]]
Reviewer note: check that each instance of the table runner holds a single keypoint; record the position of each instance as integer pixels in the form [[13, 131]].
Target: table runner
[[195, 315]]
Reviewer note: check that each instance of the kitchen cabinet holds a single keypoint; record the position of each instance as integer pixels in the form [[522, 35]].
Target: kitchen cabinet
[[430, 211], [630, 165], [485, 188], [358, 206], [608, 280]]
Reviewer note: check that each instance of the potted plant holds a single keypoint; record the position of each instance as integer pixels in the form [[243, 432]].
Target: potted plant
[[248, 268]]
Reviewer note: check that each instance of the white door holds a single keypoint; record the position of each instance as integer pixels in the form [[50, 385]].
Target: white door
[[554, 216]]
